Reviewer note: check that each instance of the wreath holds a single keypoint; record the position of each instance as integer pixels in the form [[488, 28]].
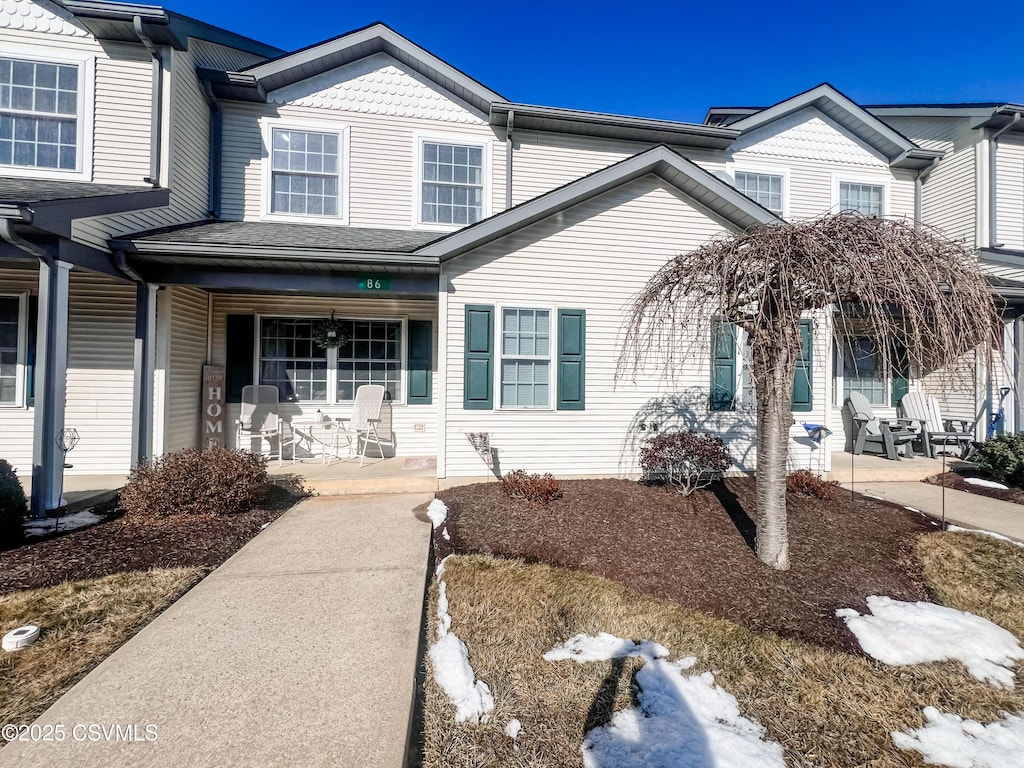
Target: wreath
[[328, 334]]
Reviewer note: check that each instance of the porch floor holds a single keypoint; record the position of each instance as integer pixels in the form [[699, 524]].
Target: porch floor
[[871, 468], [83, 491], [401, 474]]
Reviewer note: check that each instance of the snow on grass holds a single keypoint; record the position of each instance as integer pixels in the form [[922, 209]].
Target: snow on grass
[[681, 719], [604, 647], [949, 740], [437, 512], [900, 633], [993, 534], [452, 670], [985, 483], [512, 730], [72, 522]]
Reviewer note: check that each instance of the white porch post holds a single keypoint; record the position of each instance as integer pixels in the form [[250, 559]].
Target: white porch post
[[145, 328], [442, 375], [51, 387]]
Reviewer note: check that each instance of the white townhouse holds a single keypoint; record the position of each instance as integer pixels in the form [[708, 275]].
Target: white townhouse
[[210, 199]]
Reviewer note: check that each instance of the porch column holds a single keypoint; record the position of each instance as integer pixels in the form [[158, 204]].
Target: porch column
[[145, 327], [51, 386]]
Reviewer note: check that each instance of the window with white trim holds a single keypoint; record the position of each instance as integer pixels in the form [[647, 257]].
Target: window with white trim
[[11, 349], [763, 188], [39, 114], [864, 369], [305, 172], [866, 199], [302, 371], [525, 358], [452, 183]]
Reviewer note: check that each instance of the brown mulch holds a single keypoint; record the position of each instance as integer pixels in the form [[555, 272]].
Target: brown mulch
[[131, 543], [696, 551], [955, 479]]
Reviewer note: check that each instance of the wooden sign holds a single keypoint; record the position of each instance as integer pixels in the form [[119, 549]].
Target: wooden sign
[[213, 407]]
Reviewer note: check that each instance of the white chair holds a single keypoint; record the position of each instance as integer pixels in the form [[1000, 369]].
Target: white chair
[[870, 429], [259, 420], [364, 424], [936, 433]]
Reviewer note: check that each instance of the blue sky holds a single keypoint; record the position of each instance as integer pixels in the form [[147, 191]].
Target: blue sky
[[673, 60]]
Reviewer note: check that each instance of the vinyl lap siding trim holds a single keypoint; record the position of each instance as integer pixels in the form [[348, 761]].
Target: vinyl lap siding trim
[[186, 356]]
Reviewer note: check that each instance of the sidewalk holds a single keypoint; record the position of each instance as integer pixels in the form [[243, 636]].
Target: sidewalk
[[300, 650], [969, 510]]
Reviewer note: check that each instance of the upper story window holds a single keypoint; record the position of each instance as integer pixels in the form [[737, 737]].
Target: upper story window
[[763, 188], [39, 114], [452, 180], [867, 199], [305, 173]]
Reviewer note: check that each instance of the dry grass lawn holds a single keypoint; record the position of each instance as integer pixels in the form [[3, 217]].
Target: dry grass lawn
[[826, 707], [83, 622]]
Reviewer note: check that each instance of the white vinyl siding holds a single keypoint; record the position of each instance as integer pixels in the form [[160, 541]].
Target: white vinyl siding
[[186, 354], [544, 261], [525, 345], [1010, 192], [415, 426]]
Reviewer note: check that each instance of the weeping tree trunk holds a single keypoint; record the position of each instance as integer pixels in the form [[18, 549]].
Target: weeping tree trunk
[[773, 367]]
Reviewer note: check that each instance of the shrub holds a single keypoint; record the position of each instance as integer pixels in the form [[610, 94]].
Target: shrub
[[540, 488], [1002, 458], [13, 507], [685, 460], [806, 483], [217, 481]]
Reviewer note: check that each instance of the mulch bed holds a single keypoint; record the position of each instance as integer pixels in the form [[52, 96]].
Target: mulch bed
[[130, 543], [955, 479], [696, 551]]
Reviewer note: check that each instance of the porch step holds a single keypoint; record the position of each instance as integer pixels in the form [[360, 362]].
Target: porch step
[[323, 486], [876, 469], [403, 474]]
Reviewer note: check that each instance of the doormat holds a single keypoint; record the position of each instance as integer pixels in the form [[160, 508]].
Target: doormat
[[420, 463]]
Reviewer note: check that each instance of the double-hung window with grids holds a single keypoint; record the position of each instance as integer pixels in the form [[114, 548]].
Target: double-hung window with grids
[[305, 173], [763, 188], [39, 114], [452, 187], [525, 358]]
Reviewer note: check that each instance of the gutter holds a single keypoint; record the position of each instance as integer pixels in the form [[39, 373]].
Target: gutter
[[919, 179], [215, 141], [509, 127], [993, 239], [156, 110]]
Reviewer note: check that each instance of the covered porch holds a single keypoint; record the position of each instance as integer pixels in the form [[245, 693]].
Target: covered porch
[[872, 468], [400, 474]]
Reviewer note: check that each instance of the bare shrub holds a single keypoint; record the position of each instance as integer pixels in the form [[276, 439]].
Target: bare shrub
[[806, 483], [217, 481], [685, 460], [539, 488]]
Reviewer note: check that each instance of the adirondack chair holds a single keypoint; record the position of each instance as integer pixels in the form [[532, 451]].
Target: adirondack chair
[[365, 423], [868, 428], [260, 420], [936, 433]]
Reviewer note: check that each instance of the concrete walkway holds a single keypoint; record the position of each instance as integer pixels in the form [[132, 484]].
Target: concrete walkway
[[969, 510], [301, 650]]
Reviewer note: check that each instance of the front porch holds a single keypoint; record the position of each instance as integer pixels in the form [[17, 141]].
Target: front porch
[[865, 468], [400, 474]]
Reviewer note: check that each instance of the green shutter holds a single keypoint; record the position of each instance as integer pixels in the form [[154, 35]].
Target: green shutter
[[723, 365], [572, 358], [803, 379], [478, 382], [421, 343], [30, 350], [241, 339], [900, 373]]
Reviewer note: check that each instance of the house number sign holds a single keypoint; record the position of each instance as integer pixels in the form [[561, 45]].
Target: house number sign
[[371, 283], [213, 406]]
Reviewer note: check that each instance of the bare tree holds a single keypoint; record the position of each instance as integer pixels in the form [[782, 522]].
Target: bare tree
[[887, 280]]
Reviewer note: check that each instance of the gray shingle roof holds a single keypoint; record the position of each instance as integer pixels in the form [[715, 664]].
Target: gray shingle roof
[[288, 235], [28, 191]]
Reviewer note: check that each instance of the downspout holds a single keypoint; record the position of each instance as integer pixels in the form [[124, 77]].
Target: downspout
[[509, 125], [156, 110], [47, 448], [993, 239], [216, 132], [919, 180]]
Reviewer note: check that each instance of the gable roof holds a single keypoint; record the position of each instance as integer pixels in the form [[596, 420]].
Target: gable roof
[[900, 151], [253, 83], [707, 191]]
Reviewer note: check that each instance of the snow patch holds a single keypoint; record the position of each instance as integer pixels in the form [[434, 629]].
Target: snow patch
[[993, 534], [948, 739], [452, 670], [900, 633], [71, 522], [985, 483], [513, 728], [681, 719], [604, 647], [437, 512]]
